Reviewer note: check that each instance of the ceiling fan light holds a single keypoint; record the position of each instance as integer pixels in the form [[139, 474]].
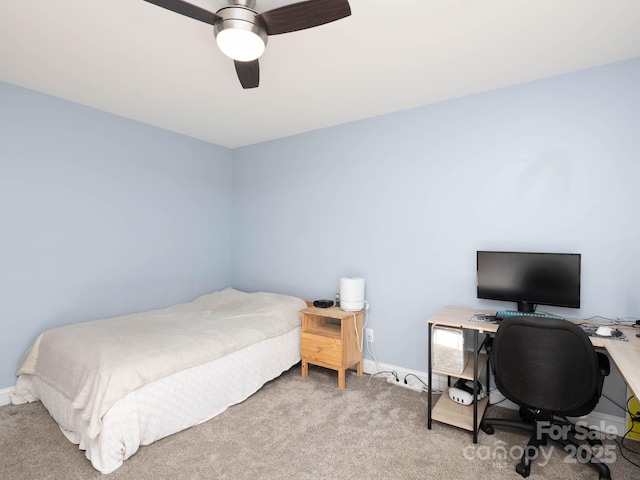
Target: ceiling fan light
[[240, 44]]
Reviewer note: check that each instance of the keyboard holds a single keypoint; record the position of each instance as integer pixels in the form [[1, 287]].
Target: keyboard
[[500, 314]]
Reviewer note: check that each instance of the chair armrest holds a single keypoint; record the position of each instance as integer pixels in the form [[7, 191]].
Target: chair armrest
[[605, 366], [488, 345]]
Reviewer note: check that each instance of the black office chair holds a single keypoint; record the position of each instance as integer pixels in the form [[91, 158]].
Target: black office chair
[[550, 369]]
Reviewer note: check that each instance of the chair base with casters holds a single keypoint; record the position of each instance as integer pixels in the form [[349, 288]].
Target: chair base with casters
[[539, 424]]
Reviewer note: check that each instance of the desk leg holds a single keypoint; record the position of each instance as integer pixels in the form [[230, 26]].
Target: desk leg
[[488, 384], [475, 386], [429, 375], [341, 378], [305, 369]]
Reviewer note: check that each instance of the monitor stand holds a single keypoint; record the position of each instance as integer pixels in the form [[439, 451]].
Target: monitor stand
[[526, 307]]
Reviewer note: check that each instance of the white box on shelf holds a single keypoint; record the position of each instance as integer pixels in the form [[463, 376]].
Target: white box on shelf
[[448, 353]]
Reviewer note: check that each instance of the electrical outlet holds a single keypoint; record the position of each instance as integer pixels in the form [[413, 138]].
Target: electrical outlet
[[369, 333]]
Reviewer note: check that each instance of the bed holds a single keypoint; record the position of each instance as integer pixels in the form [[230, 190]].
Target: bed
[[113, 385]]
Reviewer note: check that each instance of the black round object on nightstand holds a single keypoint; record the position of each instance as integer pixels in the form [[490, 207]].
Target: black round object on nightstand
[[323, 303]]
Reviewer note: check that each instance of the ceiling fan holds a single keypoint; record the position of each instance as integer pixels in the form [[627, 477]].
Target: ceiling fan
[[241, 32]]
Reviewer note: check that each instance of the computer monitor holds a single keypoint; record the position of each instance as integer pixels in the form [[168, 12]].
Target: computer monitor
[[530, 279]]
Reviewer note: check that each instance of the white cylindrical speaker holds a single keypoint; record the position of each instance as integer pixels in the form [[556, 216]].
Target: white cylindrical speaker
[[352, 293]]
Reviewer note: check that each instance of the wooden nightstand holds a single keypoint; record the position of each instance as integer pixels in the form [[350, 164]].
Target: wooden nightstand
[[329, 339]]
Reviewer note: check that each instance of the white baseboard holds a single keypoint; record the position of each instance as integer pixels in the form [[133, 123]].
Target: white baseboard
[[4, 396], [609, 424], [603, 422]]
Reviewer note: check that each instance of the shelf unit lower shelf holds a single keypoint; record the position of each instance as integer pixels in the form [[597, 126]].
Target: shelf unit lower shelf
[[461, 416], [452, 413]]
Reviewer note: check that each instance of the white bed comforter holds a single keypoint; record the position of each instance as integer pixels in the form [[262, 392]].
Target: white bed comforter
[[97, 363]]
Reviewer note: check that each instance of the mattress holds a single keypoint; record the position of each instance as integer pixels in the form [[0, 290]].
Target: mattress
[[173, 403], [115, 384]]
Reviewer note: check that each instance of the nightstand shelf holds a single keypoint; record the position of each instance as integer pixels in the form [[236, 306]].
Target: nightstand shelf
[[331, 338], [326, 330]]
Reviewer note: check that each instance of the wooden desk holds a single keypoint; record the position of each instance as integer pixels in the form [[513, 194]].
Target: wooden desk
[[626, 356], [460, 317]]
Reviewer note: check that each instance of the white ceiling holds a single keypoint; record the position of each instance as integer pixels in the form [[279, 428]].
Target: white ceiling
[[140, 61]]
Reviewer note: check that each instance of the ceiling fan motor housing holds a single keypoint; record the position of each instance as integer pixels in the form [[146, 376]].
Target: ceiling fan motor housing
[[241, 20], [244, 3]]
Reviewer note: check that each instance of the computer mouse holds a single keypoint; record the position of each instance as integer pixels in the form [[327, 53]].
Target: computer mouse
[[604, 331]]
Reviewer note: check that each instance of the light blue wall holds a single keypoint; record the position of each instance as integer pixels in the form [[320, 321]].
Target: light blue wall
[[405, 200], [101, 216]]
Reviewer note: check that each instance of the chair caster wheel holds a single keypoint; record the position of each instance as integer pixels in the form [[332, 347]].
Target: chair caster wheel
[[526, 415], [522, 470], [488, 429]]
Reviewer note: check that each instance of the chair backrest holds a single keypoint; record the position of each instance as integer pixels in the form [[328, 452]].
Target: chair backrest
[[546, 364]]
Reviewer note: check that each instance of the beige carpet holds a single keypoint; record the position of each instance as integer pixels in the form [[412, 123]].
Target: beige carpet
[[298, 429]]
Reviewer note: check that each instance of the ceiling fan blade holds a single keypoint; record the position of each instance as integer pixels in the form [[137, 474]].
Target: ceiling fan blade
[[302, 15], [248, 73], [187, 9]]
